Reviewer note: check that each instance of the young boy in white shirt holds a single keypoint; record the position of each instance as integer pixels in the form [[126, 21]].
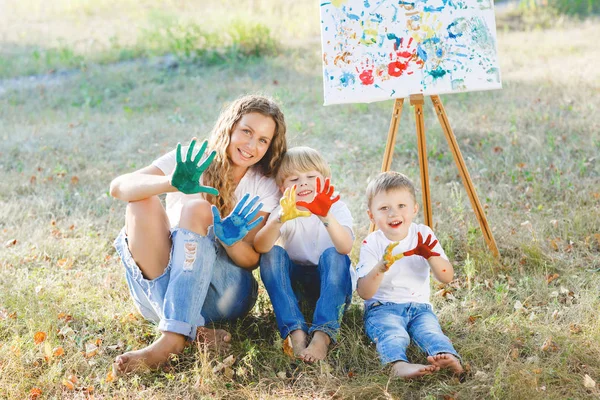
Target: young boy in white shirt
[[312, 263], [393, 272]]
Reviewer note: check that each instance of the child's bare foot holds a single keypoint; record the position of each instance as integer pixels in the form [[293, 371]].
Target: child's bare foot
[[150, 357], [445, 360], [406, 370], [213, 339], [298, 339], [317, 348]]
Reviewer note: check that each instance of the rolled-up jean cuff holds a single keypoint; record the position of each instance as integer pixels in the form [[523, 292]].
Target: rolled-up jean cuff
[[332, 333], [182, 328], [289, 329], [392, 358]]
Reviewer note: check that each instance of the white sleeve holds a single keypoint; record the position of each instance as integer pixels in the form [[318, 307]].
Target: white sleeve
[[269, 194], [167, 162], [368, 257], [342, 214]]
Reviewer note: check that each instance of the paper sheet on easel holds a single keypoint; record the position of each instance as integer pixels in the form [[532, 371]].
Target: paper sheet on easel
[[377, 50]]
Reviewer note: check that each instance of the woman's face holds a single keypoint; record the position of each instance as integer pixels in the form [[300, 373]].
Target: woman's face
[[250, 139]]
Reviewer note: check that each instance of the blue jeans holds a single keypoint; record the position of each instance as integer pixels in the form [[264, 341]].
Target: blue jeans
[[391, 326], [200, 284], [327, 283]]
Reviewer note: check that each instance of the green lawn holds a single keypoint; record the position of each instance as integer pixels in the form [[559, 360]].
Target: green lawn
[[526, 325]]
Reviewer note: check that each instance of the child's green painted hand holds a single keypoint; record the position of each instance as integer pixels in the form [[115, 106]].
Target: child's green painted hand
[[186, 177], [388, 258], [237, 225], [423, 249], [322, 202], [288, 206]]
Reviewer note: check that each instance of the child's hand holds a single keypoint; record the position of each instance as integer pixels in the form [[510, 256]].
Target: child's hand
[[322, 202], [388, 258], [288, 206], [423, 249], [237, 225], [186, 177]]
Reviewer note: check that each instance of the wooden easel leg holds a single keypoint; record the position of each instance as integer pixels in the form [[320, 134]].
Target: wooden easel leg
[[391, 141], [464, 174], [392, 132], [417, 101]]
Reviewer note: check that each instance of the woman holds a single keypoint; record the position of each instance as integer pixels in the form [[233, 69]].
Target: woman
[[179, 275]]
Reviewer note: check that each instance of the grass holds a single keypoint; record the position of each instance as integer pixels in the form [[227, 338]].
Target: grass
[[526, 324]]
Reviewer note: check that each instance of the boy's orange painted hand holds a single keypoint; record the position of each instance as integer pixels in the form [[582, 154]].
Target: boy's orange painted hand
[[322, 202], [423, 249], [288, 206], [388, 258]]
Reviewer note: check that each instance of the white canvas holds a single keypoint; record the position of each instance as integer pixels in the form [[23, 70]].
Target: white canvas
[[377, 50]]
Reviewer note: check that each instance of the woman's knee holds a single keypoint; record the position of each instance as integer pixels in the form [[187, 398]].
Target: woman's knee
[[196, 216]]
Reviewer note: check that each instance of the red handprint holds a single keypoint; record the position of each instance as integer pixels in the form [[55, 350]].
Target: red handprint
[[423, 249], [366, 75], [403, 57], [322, 202]]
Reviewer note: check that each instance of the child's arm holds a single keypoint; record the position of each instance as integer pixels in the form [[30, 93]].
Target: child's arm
[[265, 239], [340, 235], [369, 284]]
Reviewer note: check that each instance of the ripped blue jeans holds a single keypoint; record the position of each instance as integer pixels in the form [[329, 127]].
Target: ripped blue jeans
[[200, 284], [391, 326], [329, 284]]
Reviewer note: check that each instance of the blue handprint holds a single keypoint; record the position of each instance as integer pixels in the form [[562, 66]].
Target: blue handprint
[[237, 225]]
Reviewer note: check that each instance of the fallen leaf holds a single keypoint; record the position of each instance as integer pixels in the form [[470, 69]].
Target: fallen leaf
[[575, 329], [58, 351], [588, 382], [287, 347], [74, 180], [65, 263], [549, 345], [110, 377], [90, 350], [39, 337], [10, 243], [551, 277], [68, 384], [228, 372], [66, 331], [34, 393]]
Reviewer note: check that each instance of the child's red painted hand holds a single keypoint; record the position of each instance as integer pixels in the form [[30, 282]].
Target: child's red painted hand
[[423, 249], [322, 202]]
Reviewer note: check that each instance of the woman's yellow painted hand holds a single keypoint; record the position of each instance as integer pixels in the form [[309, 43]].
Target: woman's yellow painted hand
[[388, 258], [288, 206]]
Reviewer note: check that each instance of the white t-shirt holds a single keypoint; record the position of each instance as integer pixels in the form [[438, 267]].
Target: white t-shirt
[[407, 280], [252, 182], [306, 238]]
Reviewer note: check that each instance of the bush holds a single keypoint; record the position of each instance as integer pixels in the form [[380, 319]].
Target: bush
[[582, 8]]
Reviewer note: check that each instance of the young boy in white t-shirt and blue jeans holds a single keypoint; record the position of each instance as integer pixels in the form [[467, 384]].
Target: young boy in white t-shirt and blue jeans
[[312, 262], [393, 271]]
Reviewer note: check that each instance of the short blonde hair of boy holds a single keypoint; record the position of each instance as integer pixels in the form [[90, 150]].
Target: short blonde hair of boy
[[301, 159], [390, 180]]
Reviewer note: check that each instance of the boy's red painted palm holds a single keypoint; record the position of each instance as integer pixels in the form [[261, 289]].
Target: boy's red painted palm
[[423, 249], [322, 201]]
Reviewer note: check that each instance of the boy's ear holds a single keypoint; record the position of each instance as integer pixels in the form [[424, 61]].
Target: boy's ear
[[370, 214], [416, 208]]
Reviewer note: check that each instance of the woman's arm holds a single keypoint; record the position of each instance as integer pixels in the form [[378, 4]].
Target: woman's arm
[[141, 184], [242, 253]]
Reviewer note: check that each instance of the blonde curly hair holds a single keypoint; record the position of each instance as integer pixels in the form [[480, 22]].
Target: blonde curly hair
[[219, 174]]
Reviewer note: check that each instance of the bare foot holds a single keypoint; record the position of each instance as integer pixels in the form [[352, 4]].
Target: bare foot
[[150, 357], [298, 339], [317, 348], [406, 370], [445, 360], [213, 339]]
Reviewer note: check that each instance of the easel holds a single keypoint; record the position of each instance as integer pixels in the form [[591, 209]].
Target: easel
[[417, 101]]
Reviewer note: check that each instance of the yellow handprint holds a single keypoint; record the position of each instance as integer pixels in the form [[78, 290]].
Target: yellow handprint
[[288, 206], [388, 258]]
